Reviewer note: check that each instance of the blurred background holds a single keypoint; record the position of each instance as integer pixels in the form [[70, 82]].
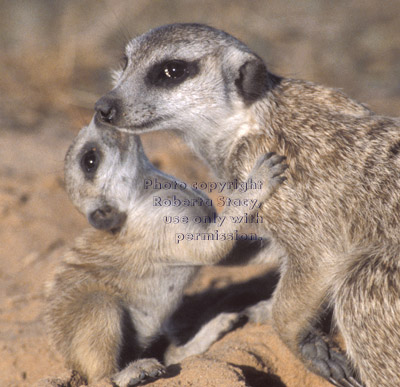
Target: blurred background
[[55, 62], [56, 55]]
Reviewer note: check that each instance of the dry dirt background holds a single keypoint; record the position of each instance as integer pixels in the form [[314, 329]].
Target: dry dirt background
[[55, 58]]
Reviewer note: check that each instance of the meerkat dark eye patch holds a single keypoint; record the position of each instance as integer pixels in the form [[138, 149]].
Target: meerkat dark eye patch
[[90, 160], [171, 72]]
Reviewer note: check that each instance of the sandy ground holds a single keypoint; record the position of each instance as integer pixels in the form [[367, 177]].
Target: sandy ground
[[44, 100]]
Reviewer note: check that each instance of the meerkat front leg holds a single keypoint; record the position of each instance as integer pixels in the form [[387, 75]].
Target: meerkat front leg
[[91, 326], [204, 338], [137, 371], [268, 170]]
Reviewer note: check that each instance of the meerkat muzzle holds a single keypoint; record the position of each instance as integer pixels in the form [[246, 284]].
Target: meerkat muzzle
[[107, 218]]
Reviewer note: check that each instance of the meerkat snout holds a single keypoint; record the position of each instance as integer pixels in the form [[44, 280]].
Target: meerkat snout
[[108, 109], [107, 217]]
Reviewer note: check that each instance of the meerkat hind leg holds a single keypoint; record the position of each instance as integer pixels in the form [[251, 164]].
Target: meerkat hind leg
[[315, 347], [93, 347], [367, 309], [326, 361], [105, 343], [294, 309]]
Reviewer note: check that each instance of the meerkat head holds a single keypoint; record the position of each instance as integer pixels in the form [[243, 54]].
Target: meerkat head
[[186, 77], [102, 168]]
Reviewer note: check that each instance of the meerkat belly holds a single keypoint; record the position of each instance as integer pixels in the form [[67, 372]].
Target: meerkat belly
[[157, 298]]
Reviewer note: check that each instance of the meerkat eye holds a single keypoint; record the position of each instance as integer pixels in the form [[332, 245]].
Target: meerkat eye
[[171, 73], [174, 69], [90, 162]]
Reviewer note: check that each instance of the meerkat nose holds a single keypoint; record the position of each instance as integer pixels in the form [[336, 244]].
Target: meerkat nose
[[107, 109], [107, 218]]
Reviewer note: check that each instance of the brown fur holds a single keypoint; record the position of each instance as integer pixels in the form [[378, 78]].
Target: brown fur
[[337, 217]]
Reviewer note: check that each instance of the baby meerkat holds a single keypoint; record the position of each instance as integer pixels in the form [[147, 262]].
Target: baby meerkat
[[337, 219], [115, 289]]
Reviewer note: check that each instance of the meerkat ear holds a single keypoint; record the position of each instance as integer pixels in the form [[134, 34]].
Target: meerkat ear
[[252, 81]]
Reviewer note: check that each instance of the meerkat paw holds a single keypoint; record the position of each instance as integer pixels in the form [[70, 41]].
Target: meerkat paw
[[137, 371], [259, 313], [270, 167], [205, 337], [350, 382], [327, 362]]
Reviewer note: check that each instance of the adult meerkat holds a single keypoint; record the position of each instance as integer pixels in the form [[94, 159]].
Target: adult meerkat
[[337, 218], [115, 289]]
